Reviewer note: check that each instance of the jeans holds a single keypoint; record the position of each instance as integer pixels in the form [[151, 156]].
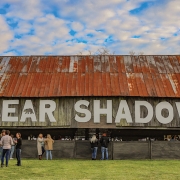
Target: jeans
[[18, 156], [12, 151], [1, 151], [48, 154], [104, 150], [94, 152], [43, 150], [7, 153]]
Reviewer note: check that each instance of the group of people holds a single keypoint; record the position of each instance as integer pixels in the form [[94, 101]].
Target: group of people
[[104, 141], [7, 146], [9, 143], [45, 145]]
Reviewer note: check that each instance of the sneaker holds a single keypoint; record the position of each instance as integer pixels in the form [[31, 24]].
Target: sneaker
[[11, 158]]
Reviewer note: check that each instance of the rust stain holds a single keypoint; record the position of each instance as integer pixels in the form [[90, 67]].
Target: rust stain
[[104, 92], [175, 84], [144, 64], [4, 82], [160, 64], [167, 85], [55, 76], [128, 64], [74, 82], [167, 64]]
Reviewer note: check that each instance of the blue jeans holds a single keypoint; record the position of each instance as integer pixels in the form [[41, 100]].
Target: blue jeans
[[104, 150], [12, 151], [94, 152], [7, 153], [48, 154], [1, 150], [18, 156]]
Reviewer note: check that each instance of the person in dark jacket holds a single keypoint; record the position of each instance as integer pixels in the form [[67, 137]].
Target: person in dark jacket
[[18, 148], [104, 146], [94, 146]]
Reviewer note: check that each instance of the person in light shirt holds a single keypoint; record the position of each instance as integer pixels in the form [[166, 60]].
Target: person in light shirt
[[1, 148], [40, 146], [6, 142]]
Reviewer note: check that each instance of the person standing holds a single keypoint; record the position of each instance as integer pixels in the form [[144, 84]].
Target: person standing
[[12, 147], [40, 146], [6, 142], [48, 146], [94, 146], [104, 146], [1, 148], [18, 148]]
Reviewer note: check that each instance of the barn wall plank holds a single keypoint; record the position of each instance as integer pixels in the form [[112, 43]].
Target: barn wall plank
[[65, 113]]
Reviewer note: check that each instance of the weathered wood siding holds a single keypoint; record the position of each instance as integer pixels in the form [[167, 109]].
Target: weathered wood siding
[[62, 149], [165, 150], [131, 150], [65, 113], [117, 150]]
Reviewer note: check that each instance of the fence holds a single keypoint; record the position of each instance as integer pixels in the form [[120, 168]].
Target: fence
[[117, 150]]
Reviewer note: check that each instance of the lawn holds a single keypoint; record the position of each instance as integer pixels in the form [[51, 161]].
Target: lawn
[[88, 169]]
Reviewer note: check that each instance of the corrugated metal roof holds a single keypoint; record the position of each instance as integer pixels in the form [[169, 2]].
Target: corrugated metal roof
[[53, 76]]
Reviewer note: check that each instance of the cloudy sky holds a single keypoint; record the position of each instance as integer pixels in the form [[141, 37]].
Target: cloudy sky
[[66, 27]]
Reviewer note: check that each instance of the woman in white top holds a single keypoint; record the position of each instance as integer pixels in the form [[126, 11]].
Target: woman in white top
[[40, 146]]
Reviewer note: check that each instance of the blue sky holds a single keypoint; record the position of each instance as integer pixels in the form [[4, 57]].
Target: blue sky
[[70, 27]]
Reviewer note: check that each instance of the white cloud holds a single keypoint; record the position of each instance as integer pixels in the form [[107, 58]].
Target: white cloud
[[76, 26], [44, 27], [5, 35], [25, 10]]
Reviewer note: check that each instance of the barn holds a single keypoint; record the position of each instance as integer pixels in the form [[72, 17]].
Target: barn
[[135, 99]]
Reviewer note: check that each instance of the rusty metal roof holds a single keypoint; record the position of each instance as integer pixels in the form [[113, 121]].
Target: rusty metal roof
[[53, 76]]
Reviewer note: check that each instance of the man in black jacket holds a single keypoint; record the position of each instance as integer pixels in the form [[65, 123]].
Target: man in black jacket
[[18, 148], [104, 146]]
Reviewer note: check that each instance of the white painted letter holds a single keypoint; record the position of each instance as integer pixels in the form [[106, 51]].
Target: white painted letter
[[149, 116], [178, 107], [123, 112], [49, 110], [84, 111], [6, 110], [98, 111], [159, 108], [28, 112]]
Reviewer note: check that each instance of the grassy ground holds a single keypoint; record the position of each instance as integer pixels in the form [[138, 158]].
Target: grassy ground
[[88, 169]]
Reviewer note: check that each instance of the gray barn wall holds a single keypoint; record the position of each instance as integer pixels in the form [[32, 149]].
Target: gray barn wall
[[65, 113], [131, 150], [166, 150], [117, 150]]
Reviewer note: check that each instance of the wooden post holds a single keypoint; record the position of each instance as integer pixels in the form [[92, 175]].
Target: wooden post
[[112, 148], [150, 149], [74, 152], [73, 134], [86, 134]]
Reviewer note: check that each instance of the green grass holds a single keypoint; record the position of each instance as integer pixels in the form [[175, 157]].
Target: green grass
[[88, 169]]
